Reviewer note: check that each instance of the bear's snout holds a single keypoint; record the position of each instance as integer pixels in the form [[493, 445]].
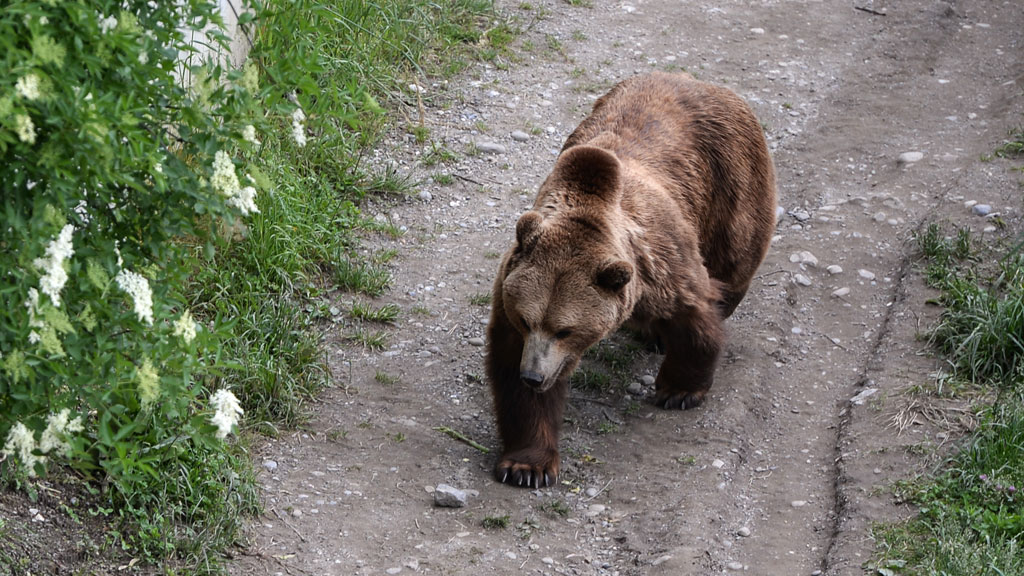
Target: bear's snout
[[531, 379]]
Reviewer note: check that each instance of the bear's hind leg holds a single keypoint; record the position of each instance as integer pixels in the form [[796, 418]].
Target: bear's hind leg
[[692, 345]]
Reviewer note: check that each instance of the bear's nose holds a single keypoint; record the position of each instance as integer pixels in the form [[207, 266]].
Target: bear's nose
[[531, 379]]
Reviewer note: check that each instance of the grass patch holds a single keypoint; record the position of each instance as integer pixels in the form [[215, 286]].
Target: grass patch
[[586, 378], [496, 522], [385, 378], [364, 277], [981, 331], [371, 340], [555, 508], [480, 299], [1014, 145], [385, 314], [971, 518], [443, 179]]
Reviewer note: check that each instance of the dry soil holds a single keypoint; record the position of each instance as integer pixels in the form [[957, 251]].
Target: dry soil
[[781, 471]]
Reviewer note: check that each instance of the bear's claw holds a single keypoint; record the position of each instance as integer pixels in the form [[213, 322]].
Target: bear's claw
[[528, 468], [680, 400]]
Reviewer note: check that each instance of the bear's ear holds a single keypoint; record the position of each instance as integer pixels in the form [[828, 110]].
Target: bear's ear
[[614, 275], [590, 170], [527, 229]]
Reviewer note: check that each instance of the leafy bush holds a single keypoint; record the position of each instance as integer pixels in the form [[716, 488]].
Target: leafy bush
[[123, 156]]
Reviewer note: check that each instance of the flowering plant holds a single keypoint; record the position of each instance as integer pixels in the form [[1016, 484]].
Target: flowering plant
[[123, 154]]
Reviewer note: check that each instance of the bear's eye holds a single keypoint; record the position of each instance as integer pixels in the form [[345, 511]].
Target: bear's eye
[[562, 334]]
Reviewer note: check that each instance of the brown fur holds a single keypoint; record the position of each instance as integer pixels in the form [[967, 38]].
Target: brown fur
[[657, 212]]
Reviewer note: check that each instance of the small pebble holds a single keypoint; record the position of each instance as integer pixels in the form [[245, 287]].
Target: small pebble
[[801, 280], [635, 388], [734, 566], [779, 213], [661, 560], [297, 513], [809, 259], [447, 496], [490, 148], [520, 136], [425, 196], [840, 292], [981, 209], [801, 215], [989, 229], [394, 570], [798, 503], [866, 274], [877, 470], [970, 203], [757, 30], [591, 492], [910, 157], [717, 463], [648, 380], [595, 509], [744, 532], [476, 341], [835, 269], [548, 560]]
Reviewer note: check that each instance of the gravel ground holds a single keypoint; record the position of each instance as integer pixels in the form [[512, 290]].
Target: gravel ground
[[877, 114]]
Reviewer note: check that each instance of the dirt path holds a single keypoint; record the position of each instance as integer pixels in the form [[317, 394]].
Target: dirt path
[[777, 472]]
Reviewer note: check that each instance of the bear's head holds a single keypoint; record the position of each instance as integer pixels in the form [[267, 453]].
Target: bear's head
[[567, 279]]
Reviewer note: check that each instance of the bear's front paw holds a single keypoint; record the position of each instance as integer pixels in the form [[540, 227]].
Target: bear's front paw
[[670, 400], [530, 468]]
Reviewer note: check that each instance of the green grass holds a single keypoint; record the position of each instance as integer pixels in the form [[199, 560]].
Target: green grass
[[981, 331], [385, 314], [480, 299], [358, 276], [385, 378], [971, 511], [372, 340], [555, 508], [1014, 145], [496, 522]]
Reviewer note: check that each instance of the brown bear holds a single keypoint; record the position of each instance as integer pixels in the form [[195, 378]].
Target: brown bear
[[658, 211]]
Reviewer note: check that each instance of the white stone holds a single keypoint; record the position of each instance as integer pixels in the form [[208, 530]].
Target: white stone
[[801, 280], [744, 532], [835, 269], [910, 157], [840, 292], [717, 463], [866, 274], [449, 497]]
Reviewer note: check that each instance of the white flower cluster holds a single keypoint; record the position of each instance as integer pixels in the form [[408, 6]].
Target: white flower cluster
[[52, 264], [227, 412], [107, 23], [225, 181], [298, 128], [137, 286], [21, 441], [249, 133], [58, 427], [185, 327], [28, 87], [25, 128]]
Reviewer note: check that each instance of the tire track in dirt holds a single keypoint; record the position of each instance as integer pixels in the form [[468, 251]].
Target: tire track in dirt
[[842, 93]]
